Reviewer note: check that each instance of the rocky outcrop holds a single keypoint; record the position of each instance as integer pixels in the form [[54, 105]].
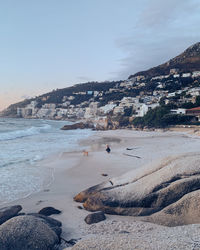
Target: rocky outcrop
[[80, 125], [184, 211], [95, 217], [8, 212], [49, 211], [27, 232], [169, 187]]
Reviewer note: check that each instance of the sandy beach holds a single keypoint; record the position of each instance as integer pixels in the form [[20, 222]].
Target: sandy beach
[[74, 172]]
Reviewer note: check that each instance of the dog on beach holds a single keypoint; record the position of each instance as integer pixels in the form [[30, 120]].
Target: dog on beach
[[85, 153]]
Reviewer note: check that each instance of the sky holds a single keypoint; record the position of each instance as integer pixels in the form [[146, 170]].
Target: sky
[[49, 44]]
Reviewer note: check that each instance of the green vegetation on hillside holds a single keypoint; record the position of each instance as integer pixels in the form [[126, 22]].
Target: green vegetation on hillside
[[160, 117]]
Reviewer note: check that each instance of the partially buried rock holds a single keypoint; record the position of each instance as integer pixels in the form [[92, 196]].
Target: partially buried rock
[[8, 212], [95, 217], [49, 211], [27, 232]]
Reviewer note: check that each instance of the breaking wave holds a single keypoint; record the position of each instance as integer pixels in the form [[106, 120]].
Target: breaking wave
[[23, 133]]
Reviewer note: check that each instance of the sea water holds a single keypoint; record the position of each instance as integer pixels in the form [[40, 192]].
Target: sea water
[[24, 143]]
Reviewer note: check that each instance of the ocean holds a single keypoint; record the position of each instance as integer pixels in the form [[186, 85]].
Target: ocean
[[24, 144]]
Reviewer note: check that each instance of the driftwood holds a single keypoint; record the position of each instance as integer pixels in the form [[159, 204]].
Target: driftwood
[[133, 156]]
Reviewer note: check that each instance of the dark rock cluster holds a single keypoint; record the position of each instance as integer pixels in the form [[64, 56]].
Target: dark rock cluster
[[28, 231]]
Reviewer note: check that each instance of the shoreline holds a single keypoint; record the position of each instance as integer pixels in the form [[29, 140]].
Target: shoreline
[[75, 172]]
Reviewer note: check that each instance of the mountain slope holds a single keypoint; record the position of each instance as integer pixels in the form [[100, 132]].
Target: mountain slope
[[187, 61]]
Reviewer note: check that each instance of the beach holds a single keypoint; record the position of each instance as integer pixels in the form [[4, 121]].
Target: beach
[[74, 172]]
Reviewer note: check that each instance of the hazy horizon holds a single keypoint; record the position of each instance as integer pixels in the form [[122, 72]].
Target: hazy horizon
[[47, 45]]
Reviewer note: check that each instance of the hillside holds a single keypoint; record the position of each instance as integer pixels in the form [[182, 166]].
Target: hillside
[[176, 82], [189, 60], [57, 96]]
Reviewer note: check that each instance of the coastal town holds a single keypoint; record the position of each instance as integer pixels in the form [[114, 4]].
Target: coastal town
[[145, 94], [168, 94]]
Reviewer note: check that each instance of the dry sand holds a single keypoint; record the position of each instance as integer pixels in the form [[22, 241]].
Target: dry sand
[[74, 172]]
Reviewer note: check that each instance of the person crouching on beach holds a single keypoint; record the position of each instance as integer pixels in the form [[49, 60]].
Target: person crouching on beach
[[108, 148]]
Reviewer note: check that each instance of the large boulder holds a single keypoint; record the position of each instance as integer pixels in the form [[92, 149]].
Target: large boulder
[[8, 212], [150, 189], [184, 211], [27, 232], [54, 224]]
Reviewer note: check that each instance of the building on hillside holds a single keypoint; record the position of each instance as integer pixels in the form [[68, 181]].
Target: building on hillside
[[194, 91], [30, 110], [80, 112], [174, 71], [107, 108], [49, 106], [91, 111], [70, 98], [195, 74], [33, 104], [178, 111], [24, 112], [171, 94], [96, 93], [123, 84], [186, 74], [46, 113], [176, 75], [66, 104], [118, 110], [143, 108], [140, 77], [64, 98], [160, 86], [194, 112], [62, 112], [128, 101]]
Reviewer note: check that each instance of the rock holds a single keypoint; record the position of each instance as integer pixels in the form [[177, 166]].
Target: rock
[[170, 187], [182, 212], [79, 125], [49, 211], [84, 195], [54, 224], [27, 232], [95, 217], [8, 212], [104, 174], [51, 221], [79, 207]]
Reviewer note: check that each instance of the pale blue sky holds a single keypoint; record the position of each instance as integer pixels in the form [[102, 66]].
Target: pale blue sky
[[49, 44]]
